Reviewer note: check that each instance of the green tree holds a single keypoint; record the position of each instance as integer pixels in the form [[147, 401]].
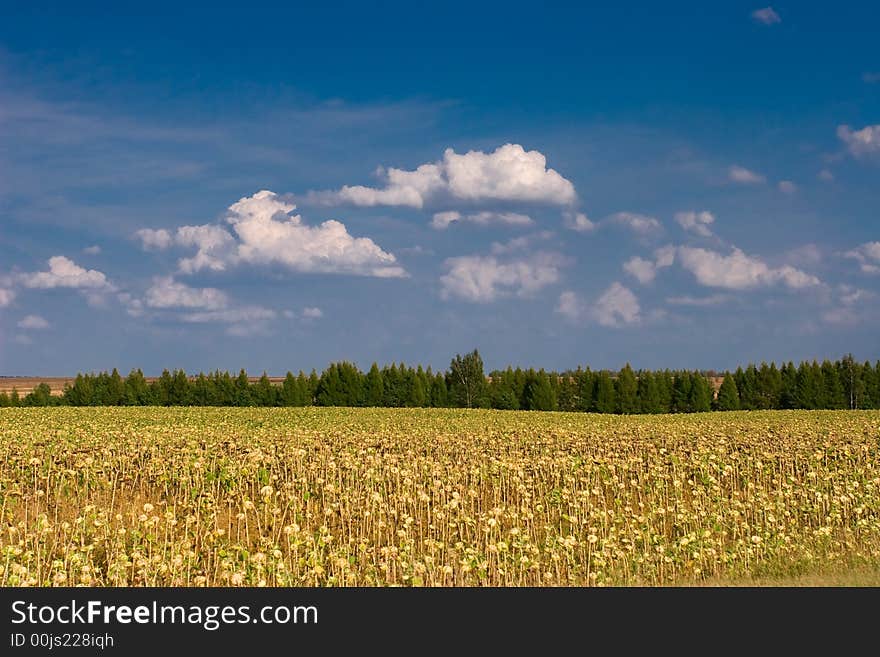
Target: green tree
[[728, 395], [264, 393], [538, 394], [466, 381], [832, 389], [681, 392], [439, 393], [242, 393], [605, 394], [700, 399], [136, 392], [648, 394], [626, 389], [374, 391]]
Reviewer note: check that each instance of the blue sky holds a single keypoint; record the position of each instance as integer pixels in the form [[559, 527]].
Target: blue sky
[[276, 187]]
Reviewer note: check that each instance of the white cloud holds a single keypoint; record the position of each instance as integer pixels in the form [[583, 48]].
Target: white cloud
[[664, 256], [578, 222], [510, 173], [241, 315], [766, 16], [481, 279], [442, 220], [696, 222], [266, 233], [33, 323], [825, 175], [739, 271], [213, 244], [852, 302], [642, 270], [312, 312], [64, 272], [6, 297], [92, 250], [742, 175], [134, 307], [787, 187], [713, 300], [871, 77], [860, 142], [617, 306], [154, 239], [807, 254], [868, 257], [519, 243], [406, 188], [638, 223], [269, 234], [213, 247], [165, 292]]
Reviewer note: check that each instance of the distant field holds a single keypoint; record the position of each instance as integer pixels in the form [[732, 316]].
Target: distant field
[[24, 384], [436, 497]]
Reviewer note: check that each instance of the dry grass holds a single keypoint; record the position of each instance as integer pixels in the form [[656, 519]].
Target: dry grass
[[202, 497]]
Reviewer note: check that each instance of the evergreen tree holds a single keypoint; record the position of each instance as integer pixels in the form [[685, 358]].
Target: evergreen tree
[[808, 387], [586, 383], [648, 394], [788, 397], [439, 394], [503, 390], [135, 389], [538, 394], [417, 394], [681, 393], [606, 395], [374, 387], [264, 393], [626, 388], [242, 393], [728, 395], [831, 387], [700, 399]]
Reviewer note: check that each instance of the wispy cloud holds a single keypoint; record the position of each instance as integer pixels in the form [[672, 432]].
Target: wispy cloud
[[766, 16], [738, 174]]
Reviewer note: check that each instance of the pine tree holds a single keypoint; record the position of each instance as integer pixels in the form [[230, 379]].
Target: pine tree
[[647, 393], [538, 394], [439, 393], [606, 395], [626, 388], [728, 396], [265, 394], [242, 393], [831, 387], [374, 387], [586, 382], [700, 399], [503, 390], [788, 397], [681, 393], [808, 385]]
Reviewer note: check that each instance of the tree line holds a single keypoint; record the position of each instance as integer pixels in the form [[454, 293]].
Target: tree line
[[843, 384]]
